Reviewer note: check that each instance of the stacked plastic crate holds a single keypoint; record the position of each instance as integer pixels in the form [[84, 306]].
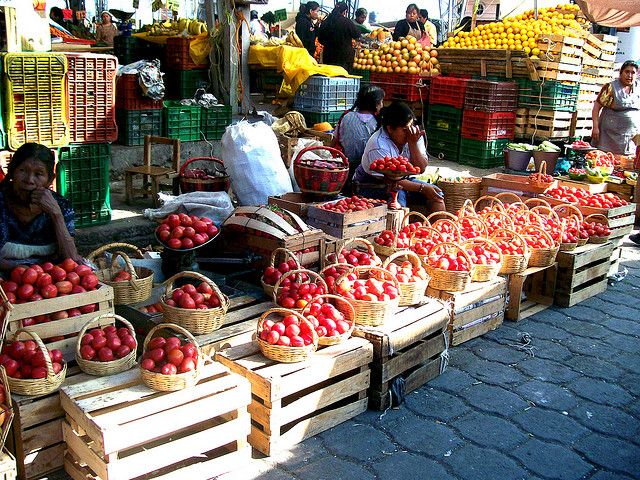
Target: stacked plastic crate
[[136, 114], [446, 98], [324, 99], [488, 122]]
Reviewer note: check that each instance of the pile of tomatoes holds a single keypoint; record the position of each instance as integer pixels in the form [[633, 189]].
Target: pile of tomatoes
[[398, 164], [191, 297], [603, 200], [272, 273], [183, 232], [326, 319], [350, 204], [371, 289], [288, 332], [294, 293], [107, 344], [27, 361], [170, 356]]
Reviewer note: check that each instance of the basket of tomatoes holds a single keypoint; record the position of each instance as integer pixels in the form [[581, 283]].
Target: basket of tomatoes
[[286, 336], [390, 241], [321, 176], [332, 317], [412, 277], [486, 257], [203, 179], [450, 267], [514, 249], [281, 262], [597, 228], [543, 246], [296, 288]]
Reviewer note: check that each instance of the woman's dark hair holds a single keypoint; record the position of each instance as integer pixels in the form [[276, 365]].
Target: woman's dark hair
[[254, 15], [368, 98], [397, 114], [337, 11], [340, 8], [360, 12], [307, 7], [31, 151], [628, 63], [412, 6], [424, 13]]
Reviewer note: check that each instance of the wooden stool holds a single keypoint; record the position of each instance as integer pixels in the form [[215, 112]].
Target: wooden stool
[[153, 173], [538, 284]]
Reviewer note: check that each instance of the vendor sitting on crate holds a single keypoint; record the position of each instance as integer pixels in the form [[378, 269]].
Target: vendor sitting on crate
[[35, 222], [397, 136]]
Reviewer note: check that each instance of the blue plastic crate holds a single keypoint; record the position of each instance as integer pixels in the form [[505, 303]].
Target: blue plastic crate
[[326, 94]]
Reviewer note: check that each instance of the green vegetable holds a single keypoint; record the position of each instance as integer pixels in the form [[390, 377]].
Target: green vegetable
[[547, 146], [521, 147]]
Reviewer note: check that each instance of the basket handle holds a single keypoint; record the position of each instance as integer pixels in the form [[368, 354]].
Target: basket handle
[[508, 195], [492, 199], [542, 168], [7, 304], [363, 268], [537, 201], [513, 235], [310, 274], [177, 328], [484, 230], [94, 320], [574, 211], [355, 241], [128, 266], [405, 219], [284, 312], [408, 254], [467, 209], [34, 336], [447, 215], [110, 246], [224, 300], [486, 241], [456, 246], [215, 160], [433, 231], [500, 214], [597, 216], [287, 253], [446, 221], [546, 211], [331, 296], [335, 153]]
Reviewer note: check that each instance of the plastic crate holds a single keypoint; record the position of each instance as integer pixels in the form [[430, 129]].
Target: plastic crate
[[127, 49], [177, 54], [447, 91], [311, 118], [181, 121], [129, 94], [443, 145], [409, 87], [268, 81], [214, 121], [36, 108], [326, 94], [444, 118], [482, 154], [133, 125], [485, 126], [180, 84], [490, 96], [548, 95], [83, 179], [92, 88]]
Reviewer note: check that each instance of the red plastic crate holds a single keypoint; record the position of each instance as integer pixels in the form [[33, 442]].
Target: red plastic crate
[[447, 91], [129, 95], [487, 126], [491, 96], [92, 88], [410, 87], [177, 54]]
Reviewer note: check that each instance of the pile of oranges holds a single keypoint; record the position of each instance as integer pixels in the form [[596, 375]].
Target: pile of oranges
[[406, 55], [523, 31]]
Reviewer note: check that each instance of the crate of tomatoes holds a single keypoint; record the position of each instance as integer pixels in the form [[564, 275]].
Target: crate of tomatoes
[[54, 301], [349, 217]]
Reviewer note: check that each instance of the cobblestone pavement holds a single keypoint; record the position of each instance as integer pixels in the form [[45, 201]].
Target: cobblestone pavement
[[568, 410]]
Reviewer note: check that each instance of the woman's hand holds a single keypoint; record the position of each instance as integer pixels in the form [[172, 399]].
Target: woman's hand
[[43, 198], [414, 133], [595, 135]]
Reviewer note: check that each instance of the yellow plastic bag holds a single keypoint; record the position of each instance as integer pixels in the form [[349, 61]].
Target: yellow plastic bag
[[297, 65], [199, 49]]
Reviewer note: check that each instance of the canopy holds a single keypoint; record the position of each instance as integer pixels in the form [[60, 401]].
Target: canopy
[[612, 13]]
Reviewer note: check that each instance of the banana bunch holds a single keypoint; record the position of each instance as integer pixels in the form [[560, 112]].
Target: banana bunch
[[192, 27], [176, 27], [293, 40]]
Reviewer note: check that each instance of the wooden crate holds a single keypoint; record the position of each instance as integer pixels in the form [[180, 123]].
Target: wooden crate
[[295, 202], [35, 438], [530, 292], [621, 219], [549, 123], [582, 273], [411, 349], [8, 469], [486, 62], [615, 259], [623, 190], [518, 184], [350, 224], [68, 327], [475, 311], [394, 218], [117, 428], [589, 187], [307, 245], [294, 401], [8, 420]]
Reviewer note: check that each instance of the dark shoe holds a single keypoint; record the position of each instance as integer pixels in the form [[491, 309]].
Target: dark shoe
[[635, 238]]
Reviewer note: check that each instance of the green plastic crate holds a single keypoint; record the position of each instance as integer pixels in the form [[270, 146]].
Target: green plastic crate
[[83, 179], [482, 154], [181, 84], [214, 121], [444, 118], [181, 121], [443, 145], [549, 95], [127, 49], [133, 125], [311, 118]]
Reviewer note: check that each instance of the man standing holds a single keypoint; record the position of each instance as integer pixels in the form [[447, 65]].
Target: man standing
[[429, 28]]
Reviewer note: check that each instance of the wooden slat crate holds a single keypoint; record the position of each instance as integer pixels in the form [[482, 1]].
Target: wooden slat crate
[[306, 245], [519, 184], [582, 273], [294, 401], [615, 259], [295, 202], [621, 219], [410, 348], [395, 217], [623, 190], [35, 438], [530, 292], [68, 327], [486, 62], [351, 224], [522, 118], [8, 470], [117, 428], [549, 124], [475, 311]]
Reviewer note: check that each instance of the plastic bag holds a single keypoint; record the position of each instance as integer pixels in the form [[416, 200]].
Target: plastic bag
[[214, 205], [252, 159]]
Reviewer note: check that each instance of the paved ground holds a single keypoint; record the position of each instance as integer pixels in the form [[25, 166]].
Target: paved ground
[[567, 409]]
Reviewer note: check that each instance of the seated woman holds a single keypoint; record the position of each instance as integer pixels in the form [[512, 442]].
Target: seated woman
[[357, 125], [35, 222], [397, 136]]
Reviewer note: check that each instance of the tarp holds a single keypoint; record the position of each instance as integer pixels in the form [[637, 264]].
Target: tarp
[[612, 13]]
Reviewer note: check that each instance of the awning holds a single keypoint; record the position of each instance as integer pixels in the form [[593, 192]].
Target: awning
[[612, 13]]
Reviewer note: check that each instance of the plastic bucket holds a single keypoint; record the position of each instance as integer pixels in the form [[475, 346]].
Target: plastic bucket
[[517, 159], [550, 157]]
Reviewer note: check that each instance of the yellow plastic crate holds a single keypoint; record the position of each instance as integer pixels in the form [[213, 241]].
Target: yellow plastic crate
[[36, 99]]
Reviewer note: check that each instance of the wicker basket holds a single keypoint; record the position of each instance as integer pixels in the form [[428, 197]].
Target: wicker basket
[[466, 210], [138, 289], [488, 202], [179, 381], [354, 243], [536, 202], [447, 226], [541, 257], [318, 280], [37, 386], [475, 224], [450, 280], [349, 316], [507, 198], [372, 313], [386, 251], [220, 182], [512, 263], [413, 292], [518, 212], [340, 269], [105, 368], [457, 193], [282, 353], [598, 218], [495, 220], [536, 181], [320, 180], [288, 254], [428, 234], [198, 322], [482, 272]]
